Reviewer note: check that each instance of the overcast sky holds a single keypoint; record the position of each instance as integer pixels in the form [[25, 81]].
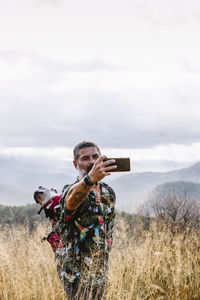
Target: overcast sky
[[123, 73]]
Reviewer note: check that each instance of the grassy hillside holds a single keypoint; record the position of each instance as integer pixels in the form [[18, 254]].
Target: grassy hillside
[[148, 261], [143, 265], [21, 215], [28, 216]]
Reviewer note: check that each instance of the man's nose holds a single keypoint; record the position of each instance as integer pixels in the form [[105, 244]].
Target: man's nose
[[92, 161]]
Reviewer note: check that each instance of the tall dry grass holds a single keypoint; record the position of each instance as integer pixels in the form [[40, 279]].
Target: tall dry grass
[[155, 265], [143, 265], [27, 268]]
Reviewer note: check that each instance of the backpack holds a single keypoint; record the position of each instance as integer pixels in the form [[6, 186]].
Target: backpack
[[51, 201]]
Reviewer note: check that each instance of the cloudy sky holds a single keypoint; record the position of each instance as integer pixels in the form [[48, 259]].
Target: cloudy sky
[[123, 73]]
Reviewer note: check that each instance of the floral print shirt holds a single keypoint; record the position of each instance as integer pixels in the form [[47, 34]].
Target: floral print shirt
[[86, 238]]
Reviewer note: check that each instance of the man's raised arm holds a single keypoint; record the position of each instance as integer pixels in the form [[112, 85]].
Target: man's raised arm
[[79, 192]]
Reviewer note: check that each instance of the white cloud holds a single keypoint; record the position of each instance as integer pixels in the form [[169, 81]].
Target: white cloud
[[115, 30], [59, 159], [171, 152], [123, 73], [54, 104]]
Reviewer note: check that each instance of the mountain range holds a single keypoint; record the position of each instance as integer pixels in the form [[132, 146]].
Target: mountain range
[[132, 189]]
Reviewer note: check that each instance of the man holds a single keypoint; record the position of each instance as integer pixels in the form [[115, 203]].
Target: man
[[86, 226]]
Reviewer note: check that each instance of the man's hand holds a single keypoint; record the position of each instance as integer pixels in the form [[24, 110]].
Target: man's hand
[[101, 169], [80, 191]]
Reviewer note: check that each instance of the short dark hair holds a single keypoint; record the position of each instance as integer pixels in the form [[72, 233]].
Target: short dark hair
[[82, 145]]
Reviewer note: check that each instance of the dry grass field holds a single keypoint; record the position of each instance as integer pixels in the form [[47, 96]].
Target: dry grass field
[[143, 265]]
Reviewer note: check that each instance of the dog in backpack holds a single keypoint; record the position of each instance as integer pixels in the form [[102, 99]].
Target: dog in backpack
[[49, 199]]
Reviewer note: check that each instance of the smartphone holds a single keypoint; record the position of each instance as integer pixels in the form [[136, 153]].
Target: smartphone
[[123, 164]]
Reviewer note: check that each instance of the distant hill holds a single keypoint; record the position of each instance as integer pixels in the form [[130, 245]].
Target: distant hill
[[17, 193], [181, 189], [20, 176], [133, 189], [10, 195]]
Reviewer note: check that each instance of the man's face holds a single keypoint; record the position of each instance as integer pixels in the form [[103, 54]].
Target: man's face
[[87, 157]]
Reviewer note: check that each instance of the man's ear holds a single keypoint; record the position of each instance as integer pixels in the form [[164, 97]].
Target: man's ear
[[75, 163]]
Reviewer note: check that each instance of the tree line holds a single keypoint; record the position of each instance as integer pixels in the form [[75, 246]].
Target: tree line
[[171, 205]]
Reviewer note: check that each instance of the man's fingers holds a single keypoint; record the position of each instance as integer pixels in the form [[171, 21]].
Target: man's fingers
[[101, 159], [106, 165], [102, 168], [109, 162], [109, 168]]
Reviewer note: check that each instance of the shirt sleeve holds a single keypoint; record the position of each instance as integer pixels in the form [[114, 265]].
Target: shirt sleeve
[[112, 194], [64, 193]]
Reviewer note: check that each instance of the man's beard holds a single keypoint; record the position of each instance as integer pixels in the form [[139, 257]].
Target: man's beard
[[83, 173]]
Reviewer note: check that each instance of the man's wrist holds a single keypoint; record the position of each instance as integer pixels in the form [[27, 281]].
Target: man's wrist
[[88, 180]]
